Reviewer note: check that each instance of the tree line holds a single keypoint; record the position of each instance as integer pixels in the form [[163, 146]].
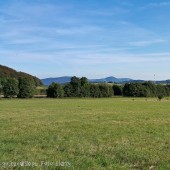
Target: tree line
[[146, 89], [80, 87]]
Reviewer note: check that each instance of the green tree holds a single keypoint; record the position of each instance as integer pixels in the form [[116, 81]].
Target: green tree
[[134, 90], [111, 91], [10, 88], [160, 97], [67, 90], [84, 89], [161, 90], [26, 88], [76, 86], [151, 88], [117, 90], [95, 91], [55, 90], [168, 89], [106, 90], [84, 82]]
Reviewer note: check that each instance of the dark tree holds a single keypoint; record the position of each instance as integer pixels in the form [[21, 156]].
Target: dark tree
[[84, 82], [10, 88], [117, 90], [76, 86], [134, 90], [55, 90], [68, 90], [26, 88], [160, 97]]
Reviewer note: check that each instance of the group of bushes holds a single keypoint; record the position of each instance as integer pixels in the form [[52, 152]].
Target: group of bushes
[[147, 89], [22, 88], [82, 88], [79, 87]]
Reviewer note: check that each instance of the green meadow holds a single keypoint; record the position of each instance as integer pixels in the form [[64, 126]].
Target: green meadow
[[95, 134]]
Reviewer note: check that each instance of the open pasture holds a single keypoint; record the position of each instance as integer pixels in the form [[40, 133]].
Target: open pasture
[[94, 134]]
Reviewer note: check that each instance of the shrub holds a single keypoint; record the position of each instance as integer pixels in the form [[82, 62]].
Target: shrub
[[26, 88], [160, 97], [117, 90], [95, 91], [10, 88], [55, 90]]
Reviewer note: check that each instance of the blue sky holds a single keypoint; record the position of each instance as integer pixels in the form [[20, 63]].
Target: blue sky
[[92, 38]]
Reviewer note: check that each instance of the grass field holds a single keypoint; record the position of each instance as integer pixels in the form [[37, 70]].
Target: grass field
[[94, 134]]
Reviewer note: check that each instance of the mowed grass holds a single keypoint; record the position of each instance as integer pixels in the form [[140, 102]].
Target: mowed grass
[[109, 133]]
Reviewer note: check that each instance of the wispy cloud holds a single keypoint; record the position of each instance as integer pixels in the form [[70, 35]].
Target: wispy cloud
[[99, 59], [111, 11], [155, 5], [147, 42], [160, 4]]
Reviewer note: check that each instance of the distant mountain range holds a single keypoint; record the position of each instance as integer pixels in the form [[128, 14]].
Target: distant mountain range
[[111, 79], [66, 79], [61, 80]]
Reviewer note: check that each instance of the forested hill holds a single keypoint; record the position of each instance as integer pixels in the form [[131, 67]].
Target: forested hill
[[9, 72]]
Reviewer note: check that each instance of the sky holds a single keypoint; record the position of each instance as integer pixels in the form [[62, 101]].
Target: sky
[[91, 38]]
